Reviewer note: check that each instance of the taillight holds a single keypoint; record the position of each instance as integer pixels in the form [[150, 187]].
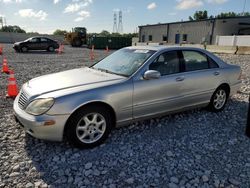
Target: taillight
[[240, 76]]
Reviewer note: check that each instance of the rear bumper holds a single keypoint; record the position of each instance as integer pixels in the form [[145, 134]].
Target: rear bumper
[[235, 88], [34, 125]]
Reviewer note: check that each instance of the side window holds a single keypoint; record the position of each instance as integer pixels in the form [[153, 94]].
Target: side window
[[34, 40], [212, 63], [194, 60], [167, 63], [44, 40]]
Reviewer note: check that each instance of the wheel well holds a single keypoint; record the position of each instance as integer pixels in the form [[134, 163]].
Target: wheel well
[[108, 107], [226, 87]]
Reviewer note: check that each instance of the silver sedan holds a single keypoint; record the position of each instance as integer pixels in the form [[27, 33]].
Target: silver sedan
[[134, 83]]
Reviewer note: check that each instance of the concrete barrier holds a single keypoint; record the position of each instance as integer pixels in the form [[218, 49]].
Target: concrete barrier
[[243, 50], [153, 44], [194, 45], [141, 44], [6, 37], [222, 49]]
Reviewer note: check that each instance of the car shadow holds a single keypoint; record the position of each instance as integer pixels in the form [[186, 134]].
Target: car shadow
[[146, 140], [38, 52]]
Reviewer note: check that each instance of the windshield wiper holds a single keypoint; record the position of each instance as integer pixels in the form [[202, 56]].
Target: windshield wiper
[[108, 71]]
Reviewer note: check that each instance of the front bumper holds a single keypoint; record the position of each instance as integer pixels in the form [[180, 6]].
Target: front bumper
[[15, 47], [34, 125]]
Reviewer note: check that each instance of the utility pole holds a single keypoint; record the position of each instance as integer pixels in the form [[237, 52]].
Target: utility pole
[[248, 119], [115, 30], [1, 21], [120, 25], [244, 7]]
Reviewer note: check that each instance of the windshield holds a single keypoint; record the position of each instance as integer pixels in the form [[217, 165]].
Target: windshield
[[124, 62], [28, 39]]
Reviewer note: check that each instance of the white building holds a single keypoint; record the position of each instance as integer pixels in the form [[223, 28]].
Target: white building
[[195, 32]]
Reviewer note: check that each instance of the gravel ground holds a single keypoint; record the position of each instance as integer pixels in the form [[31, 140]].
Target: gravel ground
[[190, 149]]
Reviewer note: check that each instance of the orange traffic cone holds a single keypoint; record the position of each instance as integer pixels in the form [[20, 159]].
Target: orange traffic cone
[[107, 50], [92, 56], [1, 49], [60, 49], [5, 66], [12, 91]]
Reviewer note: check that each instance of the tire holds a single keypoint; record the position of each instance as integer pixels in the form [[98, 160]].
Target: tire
[[77, 42], [218, 99], [24, 49], [95, 122], [51, 49]]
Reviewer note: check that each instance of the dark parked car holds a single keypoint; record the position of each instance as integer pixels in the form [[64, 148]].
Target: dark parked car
[[36, 43]]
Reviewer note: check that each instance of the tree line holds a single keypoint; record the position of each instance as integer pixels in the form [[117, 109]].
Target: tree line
[[201, 15]]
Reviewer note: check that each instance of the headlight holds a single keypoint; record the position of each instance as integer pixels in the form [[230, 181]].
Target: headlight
[[39, 106]]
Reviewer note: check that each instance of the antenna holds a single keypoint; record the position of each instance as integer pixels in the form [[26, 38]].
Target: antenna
[[120, 25], [115, 23]]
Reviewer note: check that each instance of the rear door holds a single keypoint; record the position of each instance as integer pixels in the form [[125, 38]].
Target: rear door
[[44, 43], [201, 76], [159, 95]]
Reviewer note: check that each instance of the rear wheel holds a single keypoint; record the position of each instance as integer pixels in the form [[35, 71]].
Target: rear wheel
[[51, 49], [218, 100], [89, 127], [24, 49]]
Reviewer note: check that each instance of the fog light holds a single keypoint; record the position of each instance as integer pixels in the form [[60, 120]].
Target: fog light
[[49, 122]]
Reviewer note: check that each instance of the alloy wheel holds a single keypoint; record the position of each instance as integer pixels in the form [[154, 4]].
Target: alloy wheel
[[219, 99], [91, 128]]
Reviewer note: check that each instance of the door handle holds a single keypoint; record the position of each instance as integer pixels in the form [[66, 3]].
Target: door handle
[[216, 73], [179, 79]]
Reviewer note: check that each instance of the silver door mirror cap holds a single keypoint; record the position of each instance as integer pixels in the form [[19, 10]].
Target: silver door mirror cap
[[151, 74]]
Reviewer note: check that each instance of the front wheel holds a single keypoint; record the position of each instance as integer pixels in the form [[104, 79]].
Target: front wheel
[[218, 100], [24, 49], [89, 127]]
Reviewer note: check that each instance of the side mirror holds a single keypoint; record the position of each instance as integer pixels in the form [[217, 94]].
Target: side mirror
[[151, 74]]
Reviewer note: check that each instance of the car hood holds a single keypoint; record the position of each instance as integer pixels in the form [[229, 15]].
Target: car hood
[[17, 43], [68, 79]]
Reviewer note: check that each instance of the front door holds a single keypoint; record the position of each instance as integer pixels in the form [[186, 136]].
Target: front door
[[156, 96]]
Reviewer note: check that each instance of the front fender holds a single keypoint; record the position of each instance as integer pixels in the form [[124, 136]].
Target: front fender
[[118, 96]]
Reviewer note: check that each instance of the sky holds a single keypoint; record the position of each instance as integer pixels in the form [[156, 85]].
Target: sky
[[45, 16]]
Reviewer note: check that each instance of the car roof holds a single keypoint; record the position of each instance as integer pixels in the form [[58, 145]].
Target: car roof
[[40, 37], [160, 48], [163, 47]]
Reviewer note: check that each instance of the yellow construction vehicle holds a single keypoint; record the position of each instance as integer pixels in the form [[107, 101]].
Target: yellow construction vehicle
[[77, 37]]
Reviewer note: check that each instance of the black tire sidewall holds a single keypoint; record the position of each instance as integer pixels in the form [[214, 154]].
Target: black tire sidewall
[[75, 118]]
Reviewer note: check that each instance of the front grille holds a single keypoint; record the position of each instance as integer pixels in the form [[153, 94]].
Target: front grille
[[23, 99]]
